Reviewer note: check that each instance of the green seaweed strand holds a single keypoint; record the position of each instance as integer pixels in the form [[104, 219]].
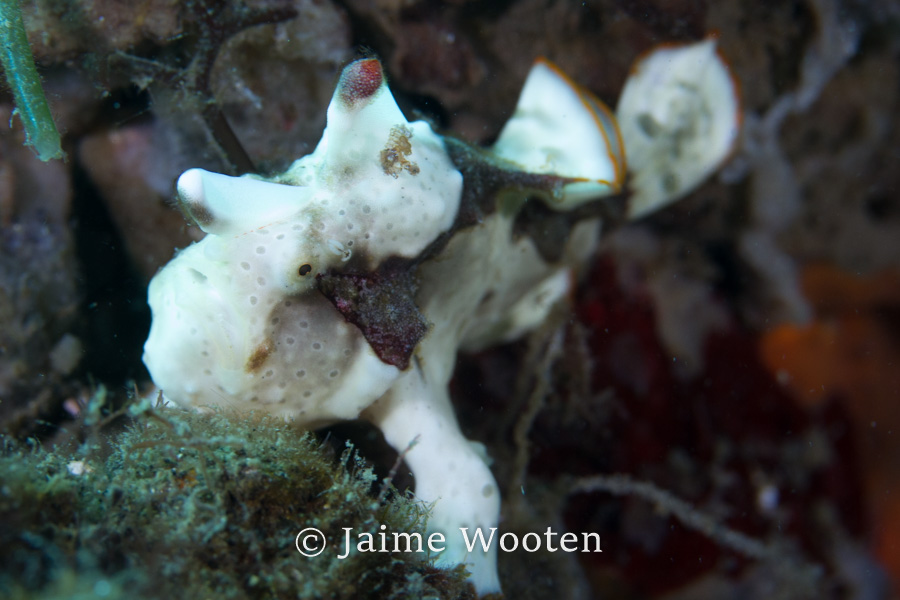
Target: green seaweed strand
[[22, 76]]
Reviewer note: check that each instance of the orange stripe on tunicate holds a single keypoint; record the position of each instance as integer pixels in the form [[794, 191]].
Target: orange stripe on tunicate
[[618, 154], [585, 97], [611, 184]]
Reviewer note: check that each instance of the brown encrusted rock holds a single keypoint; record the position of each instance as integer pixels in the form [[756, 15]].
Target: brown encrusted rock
[[61, 29], [274, 82], [38, 280]]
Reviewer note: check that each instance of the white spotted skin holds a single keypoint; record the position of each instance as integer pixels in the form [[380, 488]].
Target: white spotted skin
[[238, 320], [221, 320], [236, 317]]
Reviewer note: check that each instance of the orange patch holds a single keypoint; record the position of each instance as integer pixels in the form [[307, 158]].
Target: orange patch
[[851, 351], [259, 356]]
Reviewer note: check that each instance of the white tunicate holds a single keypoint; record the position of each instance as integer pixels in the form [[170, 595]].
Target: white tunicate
[[680, 116]]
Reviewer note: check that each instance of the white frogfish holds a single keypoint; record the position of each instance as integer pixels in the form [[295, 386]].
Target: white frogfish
[[344, 287]]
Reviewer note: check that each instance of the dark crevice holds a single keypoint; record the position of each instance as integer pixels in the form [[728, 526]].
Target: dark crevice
[[113, 292]]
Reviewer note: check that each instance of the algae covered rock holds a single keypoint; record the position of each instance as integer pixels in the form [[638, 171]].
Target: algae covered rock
[[188, 505]]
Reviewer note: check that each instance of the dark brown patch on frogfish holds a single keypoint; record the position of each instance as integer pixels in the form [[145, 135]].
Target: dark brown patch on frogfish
[[259, 356], [381, 304], [491, 184]]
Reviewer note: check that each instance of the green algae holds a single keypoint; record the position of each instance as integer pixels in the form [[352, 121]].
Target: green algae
[[22, 77], [187, 505]]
